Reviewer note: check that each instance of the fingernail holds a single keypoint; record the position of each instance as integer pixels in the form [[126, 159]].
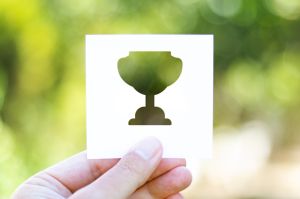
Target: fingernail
[[148, 148]]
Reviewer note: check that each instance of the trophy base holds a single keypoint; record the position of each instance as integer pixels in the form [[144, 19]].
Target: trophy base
[[150, 116]]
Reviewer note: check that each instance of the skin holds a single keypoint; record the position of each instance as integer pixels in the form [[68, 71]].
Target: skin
[[141, 173]]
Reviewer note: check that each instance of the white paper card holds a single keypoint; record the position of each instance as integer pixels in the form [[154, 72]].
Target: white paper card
[[111, 103]]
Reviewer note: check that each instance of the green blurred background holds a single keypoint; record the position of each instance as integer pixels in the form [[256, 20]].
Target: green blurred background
[[256, 97]]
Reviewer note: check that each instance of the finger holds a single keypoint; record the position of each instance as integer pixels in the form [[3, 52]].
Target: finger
[[175, 196], [172, 182], [127, 175], [77, 171], [167, 164], [166, 185]]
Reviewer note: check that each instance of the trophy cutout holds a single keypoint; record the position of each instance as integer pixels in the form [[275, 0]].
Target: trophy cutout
[[150, 73]]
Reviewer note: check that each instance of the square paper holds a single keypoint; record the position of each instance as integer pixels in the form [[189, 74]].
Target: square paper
[[111, 103]]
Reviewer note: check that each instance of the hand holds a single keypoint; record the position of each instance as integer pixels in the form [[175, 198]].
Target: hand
[[140, 174]]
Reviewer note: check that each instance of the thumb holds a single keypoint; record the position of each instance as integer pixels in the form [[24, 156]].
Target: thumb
[[131, 172]]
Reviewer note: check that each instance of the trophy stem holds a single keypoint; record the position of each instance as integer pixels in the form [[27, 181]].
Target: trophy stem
[[149, 100]]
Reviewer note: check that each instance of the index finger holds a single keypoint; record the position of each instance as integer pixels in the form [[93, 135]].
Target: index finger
[[77, 171]]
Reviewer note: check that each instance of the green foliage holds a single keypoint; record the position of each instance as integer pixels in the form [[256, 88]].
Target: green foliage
[[150, 72]]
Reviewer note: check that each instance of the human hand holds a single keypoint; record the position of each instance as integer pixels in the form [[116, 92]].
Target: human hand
[[140, 174]]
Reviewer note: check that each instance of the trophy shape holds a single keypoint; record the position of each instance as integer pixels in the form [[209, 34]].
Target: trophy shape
[[149, 73]]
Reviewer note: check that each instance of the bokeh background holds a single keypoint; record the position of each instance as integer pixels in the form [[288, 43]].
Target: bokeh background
[[256, 96]]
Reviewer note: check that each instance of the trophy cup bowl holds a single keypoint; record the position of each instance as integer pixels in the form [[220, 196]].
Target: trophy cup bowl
[[149, 73]]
